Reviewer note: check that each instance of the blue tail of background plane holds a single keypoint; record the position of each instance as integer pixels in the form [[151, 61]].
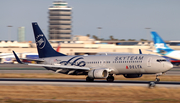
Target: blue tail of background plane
[[43, 46], [160, 45]]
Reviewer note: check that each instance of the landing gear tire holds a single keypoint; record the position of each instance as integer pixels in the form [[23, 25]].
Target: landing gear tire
[[157, 80], [110, 78], [152, 84], [89, 79]]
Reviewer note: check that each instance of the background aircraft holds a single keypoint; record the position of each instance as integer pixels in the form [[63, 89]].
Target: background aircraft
[[8, 58], [32, 57], [96, 66], [161, 48]]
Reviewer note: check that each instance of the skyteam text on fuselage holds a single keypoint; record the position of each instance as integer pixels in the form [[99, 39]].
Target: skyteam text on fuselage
[[96, 66], [164, 50]]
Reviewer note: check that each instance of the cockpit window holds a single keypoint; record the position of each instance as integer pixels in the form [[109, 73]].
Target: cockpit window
[[161, 60]]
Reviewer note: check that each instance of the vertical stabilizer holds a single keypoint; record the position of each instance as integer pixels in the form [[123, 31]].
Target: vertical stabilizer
[[160, 45], [43, 46]]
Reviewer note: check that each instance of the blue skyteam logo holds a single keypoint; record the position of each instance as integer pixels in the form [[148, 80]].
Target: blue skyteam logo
[[40, 41], [74, 61]]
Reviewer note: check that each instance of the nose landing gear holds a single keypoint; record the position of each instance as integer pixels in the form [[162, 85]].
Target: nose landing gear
[[153, 84], [157, 79]]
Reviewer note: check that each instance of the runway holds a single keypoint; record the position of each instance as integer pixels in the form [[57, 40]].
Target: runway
[[81, 82], [9, 68]]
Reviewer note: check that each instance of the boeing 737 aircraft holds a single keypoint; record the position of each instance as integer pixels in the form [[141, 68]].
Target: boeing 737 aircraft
[[164, 50], [96, 66]]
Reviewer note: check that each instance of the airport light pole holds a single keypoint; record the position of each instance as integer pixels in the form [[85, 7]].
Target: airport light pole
[[148, 30], [9, 34]]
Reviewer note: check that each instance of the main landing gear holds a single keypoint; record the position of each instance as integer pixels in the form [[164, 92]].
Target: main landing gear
[[110, 78], [88, 79]]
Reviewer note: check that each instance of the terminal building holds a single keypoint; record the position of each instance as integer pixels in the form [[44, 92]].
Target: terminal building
[[81, 45], [60, 20]]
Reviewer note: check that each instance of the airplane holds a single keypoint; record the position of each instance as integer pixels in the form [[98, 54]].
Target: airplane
[[96, 66], [161, 48]]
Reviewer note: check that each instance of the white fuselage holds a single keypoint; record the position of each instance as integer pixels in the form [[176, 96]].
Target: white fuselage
[[119, 64]]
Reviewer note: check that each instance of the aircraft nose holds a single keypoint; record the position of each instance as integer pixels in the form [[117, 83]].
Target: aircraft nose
[[168, 66]]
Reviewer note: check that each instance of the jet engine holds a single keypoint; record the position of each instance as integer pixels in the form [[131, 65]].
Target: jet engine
[[98, 73], [132, 75]]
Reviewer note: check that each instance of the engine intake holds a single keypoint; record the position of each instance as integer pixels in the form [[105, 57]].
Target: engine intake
[[98, 73], [132, 75]]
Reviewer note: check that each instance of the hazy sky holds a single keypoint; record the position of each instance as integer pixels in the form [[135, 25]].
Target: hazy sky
[[124, 19]]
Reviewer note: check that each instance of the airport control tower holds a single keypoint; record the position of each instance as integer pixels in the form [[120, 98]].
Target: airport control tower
[[60, 21]]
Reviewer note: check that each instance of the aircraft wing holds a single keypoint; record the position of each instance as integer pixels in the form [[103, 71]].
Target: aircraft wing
[[61, 66]]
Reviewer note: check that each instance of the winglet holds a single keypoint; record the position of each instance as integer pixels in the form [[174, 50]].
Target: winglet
[[17, 58], [140, 52]]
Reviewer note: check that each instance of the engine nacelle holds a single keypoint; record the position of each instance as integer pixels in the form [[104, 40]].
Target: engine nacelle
[[98, 73], [132, 75]]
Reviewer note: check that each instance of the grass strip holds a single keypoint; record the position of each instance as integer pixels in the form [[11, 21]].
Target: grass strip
[[79, 94], [63, 76]]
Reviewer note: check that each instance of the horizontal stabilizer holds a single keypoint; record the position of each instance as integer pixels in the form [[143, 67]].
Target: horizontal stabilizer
[[17, 58]]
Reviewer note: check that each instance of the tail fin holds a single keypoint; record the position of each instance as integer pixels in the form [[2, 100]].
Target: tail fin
[[43, 46], [160, 45]]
